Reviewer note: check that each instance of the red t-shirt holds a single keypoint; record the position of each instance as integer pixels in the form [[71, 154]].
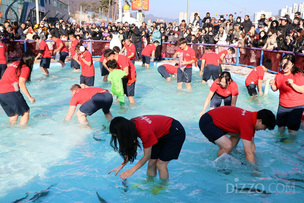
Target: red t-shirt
[[73, 45], [10, 79], [288, 96], [44, 47], [152, 127], [148, 50], [255, 75], [221, 53], [3, 50], [170, 68], [122, 62], [132, 70], [58, 42], [232, 89], [102, 58], [85, 94], [231, 119], [211, 58], [130, 49], [187, 55], [87, 71]]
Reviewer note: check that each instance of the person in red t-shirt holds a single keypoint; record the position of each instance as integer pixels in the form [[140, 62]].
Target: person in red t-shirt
[[61, 48], [126, 65], [166, 70], [223, 88], [131, 50], [239, 124], [210, 65], [45, 54], [3, 57], [104, 70], [84, 58], [91, 100], [74, 43], [147, 52], [14, 79], [162, 138], [255, 78], [290, 83], [186, 58], [224, 53]]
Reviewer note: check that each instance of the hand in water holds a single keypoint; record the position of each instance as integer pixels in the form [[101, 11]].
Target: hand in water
[[126, 174], [117, 169]]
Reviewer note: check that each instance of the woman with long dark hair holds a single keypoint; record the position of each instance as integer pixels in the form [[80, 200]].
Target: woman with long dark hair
[[290, 82], [13, 80], [162, 139], [223, 88]]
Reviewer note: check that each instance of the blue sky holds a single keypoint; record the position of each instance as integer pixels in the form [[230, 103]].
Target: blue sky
[[171, 8]]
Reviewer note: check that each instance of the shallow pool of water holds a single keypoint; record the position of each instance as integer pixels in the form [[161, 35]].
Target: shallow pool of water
[[54, 161]]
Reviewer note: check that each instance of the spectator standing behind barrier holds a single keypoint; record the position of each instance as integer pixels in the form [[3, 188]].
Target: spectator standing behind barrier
[[246, 24], [255, 78], [209, 64], [45, 54], [136, 39], [156, 36], [290, 83], [3, 56], [13, 80]]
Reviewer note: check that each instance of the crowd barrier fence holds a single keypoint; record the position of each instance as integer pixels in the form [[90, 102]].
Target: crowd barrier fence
[[244, 56]]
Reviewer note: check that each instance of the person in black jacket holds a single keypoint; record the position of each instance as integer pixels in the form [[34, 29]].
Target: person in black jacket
[[281, 43], [246, 25], [136, 39]]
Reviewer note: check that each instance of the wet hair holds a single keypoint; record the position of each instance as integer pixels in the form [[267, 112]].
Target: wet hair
[[36, 37], [292, 59], [108, 53], [124, 132], [112, 64], [232, 50], [268, 64], [116, 49], [225, 75], [182, 41], [75, 87], [208, 47], [156, 41], [27, 59], [268, 118]]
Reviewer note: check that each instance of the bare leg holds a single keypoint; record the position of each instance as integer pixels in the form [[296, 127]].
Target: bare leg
[[179, 85], [234, 138], [188, 86], [45, 70], [105, 78], [168, 79], [151, 170], [203, 82], [147, 65], [13, 119], [225, 145], [109, 116], [143, 65], [62, 63], [25, 118], [162, 169], [82, 117], [131, 100]]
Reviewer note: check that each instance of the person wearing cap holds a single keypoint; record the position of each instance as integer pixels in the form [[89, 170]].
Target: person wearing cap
[[290, 83], [240, 124], [255, 78]]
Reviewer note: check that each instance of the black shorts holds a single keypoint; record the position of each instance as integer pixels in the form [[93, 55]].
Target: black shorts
[[89, 81], [133, 61], [216, 100], [2, 69], [13, 103], [103, 70], [290, 117], [98, 101], [184, 76], [145, 59], [211, 71], [199, 64], [45, 62], [252, 89], [75, 64], [162, 70], [129, 90], [63, 56], [169, 146], [211, 132]]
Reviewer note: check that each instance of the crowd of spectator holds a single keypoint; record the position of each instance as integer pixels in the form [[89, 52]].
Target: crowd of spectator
[[272, 34]]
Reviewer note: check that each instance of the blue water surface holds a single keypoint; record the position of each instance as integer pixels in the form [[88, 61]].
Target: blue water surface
[[54, 161]]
